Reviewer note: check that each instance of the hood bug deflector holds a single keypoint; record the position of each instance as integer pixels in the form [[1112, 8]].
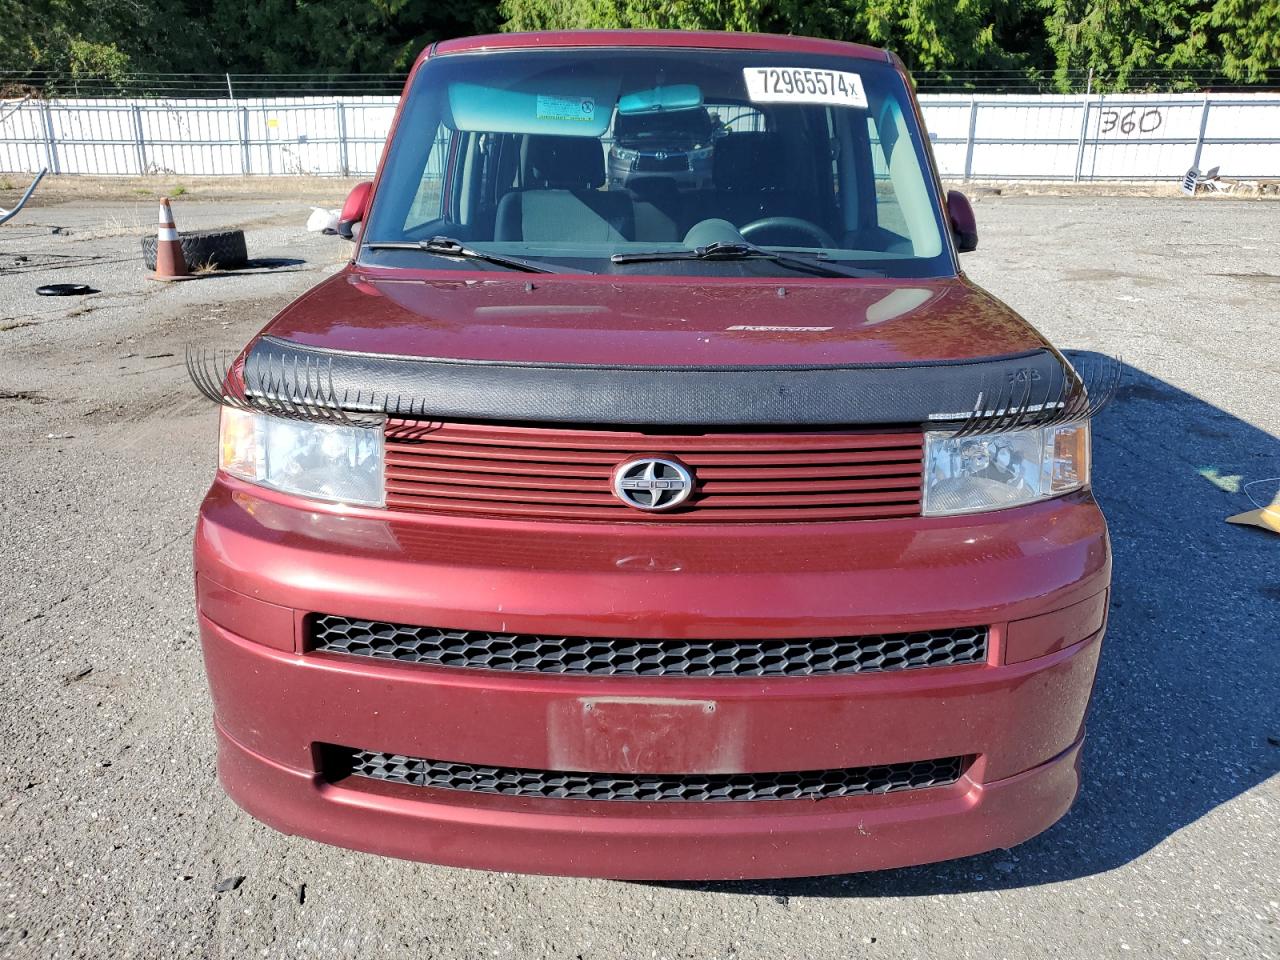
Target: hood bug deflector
[[988, 395]]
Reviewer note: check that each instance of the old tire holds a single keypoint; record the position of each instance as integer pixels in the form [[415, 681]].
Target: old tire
[[222, 248]]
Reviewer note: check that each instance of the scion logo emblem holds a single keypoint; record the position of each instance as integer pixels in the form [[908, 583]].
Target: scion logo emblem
[[652, 483]]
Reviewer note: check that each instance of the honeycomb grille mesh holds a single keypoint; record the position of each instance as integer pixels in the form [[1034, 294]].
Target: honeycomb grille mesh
[[536, 653], [645, 788]]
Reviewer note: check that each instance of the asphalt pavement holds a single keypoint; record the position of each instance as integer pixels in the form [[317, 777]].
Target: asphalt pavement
[[114, 836]]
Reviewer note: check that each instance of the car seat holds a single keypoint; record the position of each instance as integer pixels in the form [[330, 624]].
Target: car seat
[[561, 199]]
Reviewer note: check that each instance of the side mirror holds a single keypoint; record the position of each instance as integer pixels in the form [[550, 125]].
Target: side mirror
[[963, 225], [354, 209]]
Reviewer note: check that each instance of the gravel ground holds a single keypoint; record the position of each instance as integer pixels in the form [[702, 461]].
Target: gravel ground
[[114, 833]]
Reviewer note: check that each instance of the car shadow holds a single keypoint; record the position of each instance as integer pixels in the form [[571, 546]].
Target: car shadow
[[260, 265], [1185, 715], [272, 263]]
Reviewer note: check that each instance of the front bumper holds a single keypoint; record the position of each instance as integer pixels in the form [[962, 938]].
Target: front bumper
[[263, 562]]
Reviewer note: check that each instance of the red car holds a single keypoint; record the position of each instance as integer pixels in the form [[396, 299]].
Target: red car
[[724, 533]]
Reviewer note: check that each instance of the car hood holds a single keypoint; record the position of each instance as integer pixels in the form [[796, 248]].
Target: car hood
[[647, 321]]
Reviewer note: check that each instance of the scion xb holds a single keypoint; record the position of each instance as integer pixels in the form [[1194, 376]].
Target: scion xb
[[710, 530]]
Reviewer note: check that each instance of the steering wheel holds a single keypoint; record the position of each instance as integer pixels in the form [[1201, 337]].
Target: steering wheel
[[788, 224]]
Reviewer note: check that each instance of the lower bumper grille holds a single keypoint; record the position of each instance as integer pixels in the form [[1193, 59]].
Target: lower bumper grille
[[536, 653], [643, 788]]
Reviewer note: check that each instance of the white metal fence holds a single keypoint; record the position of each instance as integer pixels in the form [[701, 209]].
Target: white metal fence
[[983, 137], [1129, 137], [319, 137]]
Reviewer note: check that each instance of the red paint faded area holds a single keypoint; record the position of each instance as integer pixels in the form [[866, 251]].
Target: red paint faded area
[[653, 320]]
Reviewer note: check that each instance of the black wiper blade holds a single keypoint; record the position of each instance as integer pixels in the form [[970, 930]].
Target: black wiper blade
[[720, 250], [448, 247], [728, 250]]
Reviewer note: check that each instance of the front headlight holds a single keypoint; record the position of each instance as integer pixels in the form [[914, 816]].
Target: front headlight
[[971, 474], [321, 460]]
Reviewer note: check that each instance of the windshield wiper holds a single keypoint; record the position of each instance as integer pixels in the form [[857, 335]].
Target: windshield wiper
[[449, 247], [728, 250]]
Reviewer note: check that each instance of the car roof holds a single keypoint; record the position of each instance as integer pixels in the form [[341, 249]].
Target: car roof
[[693, 39]]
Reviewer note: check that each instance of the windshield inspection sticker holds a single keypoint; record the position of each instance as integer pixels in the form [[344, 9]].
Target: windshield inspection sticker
[[566, 108], [804, 85]]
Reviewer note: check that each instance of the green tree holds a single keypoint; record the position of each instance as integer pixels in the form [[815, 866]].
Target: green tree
[[68, 36], [927, 34], [1117, 39], [87, 37], [937, 34], [1244, 35], [633, 14], [342, 36], [1120, 39]]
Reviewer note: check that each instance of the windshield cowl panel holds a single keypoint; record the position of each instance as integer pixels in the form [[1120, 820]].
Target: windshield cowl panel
[[652, 321], [583, 159]]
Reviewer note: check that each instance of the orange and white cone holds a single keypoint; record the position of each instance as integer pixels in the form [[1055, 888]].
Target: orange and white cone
[[170, 263]]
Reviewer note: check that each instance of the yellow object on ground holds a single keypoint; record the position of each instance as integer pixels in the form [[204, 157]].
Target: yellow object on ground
[[1268, 518]]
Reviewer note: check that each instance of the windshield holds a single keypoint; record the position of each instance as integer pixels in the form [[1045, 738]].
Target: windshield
[[594, 159]]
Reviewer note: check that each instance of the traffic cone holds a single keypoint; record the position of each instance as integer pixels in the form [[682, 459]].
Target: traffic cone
[[170, 263]]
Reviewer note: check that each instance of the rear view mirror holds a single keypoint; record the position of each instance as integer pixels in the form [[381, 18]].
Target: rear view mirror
[[354, 209], [680, 96], [963, 225]]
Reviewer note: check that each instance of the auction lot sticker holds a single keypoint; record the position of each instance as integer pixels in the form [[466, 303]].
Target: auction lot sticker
[[804, 85]]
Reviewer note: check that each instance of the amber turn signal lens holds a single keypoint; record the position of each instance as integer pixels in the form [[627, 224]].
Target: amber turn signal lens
[[1069, 458], [240, 443]]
